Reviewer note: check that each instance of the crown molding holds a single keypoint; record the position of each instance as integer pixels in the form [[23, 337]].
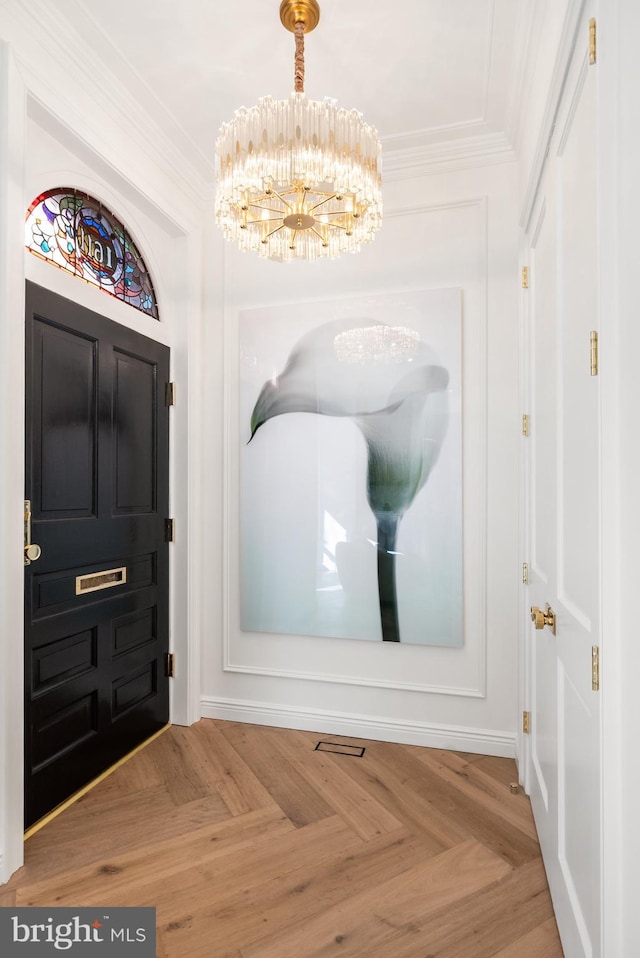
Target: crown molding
[[433, 135], [483, 150], [62, 86]]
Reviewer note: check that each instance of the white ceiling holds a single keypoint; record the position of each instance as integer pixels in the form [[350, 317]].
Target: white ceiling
[[424, 72]]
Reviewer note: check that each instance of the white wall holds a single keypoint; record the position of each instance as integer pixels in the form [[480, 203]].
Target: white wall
[[455, 229]]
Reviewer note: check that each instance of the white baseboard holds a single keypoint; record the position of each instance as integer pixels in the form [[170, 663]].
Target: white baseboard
[[461, 739]]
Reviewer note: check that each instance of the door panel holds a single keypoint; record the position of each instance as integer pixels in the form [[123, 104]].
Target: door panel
[[135, 430], [97, 478], [564, 463], [65, 433], [577, 267]]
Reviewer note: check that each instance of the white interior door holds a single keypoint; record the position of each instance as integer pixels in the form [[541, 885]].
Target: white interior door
[[564, 534]]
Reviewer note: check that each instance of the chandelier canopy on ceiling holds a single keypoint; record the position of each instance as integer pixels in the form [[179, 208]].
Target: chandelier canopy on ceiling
[[298, 178]]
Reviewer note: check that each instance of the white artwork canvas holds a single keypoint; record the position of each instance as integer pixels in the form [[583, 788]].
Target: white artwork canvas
[[351, 468]]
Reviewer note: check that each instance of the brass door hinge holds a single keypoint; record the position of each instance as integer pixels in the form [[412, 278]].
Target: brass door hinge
[[593, 352], [525, 424], [170, 394], [170, 665], [593, 41], [595, 668], [525, 277], [525, 573], [526, 722], [169, 530]]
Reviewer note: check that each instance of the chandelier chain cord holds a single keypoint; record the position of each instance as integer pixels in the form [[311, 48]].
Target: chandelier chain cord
[[299, 57]]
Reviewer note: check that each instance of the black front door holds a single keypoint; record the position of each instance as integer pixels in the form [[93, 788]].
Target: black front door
[[96, 601]]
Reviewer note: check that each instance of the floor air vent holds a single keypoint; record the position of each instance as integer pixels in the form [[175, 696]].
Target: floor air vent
[[338, 749]]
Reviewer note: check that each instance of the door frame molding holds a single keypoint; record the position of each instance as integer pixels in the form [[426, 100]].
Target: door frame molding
[[619, 212], [181, 330], [12, 131]]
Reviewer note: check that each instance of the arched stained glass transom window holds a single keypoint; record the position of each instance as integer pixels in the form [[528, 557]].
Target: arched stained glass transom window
[[77, 233]]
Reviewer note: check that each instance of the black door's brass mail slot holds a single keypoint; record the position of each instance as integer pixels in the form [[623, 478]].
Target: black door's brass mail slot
[[93, 581]]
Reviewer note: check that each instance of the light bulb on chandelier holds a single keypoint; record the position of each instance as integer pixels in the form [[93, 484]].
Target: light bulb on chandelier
[[298, 178]]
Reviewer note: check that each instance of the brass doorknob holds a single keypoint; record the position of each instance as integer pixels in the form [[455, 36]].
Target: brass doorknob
[[32, 553], [541, 617]]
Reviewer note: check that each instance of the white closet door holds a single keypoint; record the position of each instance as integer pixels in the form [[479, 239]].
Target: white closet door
[[564, 513]]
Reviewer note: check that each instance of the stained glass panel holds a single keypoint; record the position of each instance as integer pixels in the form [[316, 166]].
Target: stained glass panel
[[75, 232]]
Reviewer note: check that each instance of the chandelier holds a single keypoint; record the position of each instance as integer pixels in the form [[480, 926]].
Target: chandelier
[[298, 178]]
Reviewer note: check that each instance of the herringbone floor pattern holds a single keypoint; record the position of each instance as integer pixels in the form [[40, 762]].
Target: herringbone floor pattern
[[250, 844]]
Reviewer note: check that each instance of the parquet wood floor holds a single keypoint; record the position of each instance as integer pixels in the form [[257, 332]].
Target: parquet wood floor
[[251, 844]]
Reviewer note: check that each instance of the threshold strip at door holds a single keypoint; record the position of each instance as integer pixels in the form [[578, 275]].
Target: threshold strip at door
[[92, 784]]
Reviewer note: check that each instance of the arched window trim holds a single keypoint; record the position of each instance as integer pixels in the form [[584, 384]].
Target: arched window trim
[[76, 232]]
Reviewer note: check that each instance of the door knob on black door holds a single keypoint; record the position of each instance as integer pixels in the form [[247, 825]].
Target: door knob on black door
[[542, 617], [32, 552]]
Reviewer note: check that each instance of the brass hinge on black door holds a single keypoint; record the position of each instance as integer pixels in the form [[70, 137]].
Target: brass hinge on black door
[[170, 665], [170, 394], [169, 530]]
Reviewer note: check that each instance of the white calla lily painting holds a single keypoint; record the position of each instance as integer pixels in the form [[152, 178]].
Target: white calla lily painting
[[351, 468]]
